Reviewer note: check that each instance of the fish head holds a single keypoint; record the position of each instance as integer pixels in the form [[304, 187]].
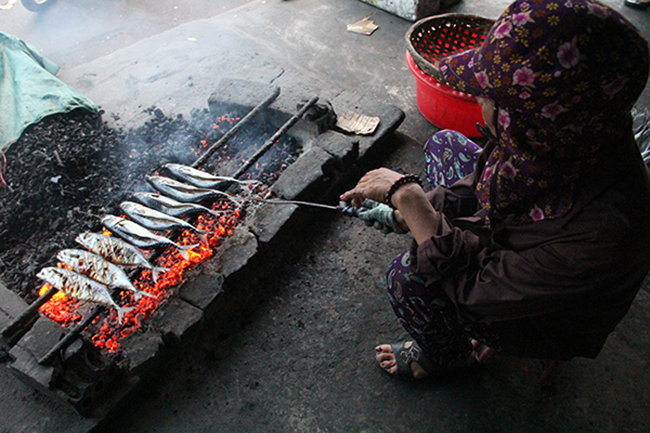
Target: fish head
[[72, 254], [172, 166], [63, 256], [50, 275], [84, 239], [128, 205], [110, 220], [142, 195]]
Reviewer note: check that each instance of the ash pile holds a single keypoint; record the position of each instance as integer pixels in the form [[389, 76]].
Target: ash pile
[[118, 245]]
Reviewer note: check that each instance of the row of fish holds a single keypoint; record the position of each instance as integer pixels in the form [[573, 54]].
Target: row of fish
[[96, 271], [163, 212], [93, 273]]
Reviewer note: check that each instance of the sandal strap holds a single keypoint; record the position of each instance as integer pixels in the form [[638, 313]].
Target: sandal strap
[[405, 356]]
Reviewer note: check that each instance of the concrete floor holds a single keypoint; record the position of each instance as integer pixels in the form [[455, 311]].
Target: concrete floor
[[302, 358]]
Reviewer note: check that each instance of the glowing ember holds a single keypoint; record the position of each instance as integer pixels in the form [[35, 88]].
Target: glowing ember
[[60, 308], [63, 309]]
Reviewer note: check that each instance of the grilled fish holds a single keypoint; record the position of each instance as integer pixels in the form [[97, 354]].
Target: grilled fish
[[118, 252], [184, 192], [99, 269], [202, 179], [172, 207], [154, 220], [80, 287], [140, 236]]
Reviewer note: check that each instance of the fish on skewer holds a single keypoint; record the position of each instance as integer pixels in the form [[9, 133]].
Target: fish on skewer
[[82, 288], [118, 252], [140, 236], [172, 207], [202, 179], [184, 192], [154, 220], [99, 269]]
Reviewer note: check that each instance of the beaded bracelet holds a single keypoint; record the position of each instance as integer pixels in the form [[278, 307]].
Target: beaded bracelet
[[408, 178]]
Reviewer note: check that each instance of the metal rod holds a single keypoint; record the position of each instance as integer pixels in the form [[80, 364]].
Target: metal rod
[[271, 141], [218, 144], [71, 336], [79, 327], [296, 202], [11, 331], [74, 333]]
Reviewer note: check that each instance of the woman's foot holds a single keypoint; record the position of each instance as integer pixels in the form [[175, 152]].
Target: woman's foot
[[408, 357], [481, 352], [638, 4]]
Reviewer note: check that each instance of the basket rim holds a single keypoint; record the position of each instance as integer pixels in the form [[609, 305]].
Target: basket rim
[[426, 80], [426, 66]]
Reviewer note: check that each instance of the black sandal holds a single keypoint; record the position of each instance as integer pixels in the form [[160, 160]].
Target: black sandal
[[405, 356]]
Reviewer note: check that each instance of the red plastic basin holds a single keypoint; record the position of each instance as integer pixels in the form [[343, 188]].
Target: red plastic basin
[[444, 107]]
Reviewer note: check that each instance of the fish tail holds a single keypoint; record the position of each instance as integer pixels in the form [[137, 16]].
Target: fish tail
[[121, 311], [140, 293], [203, 234], [184, 248], [214, 212], [156, 271]]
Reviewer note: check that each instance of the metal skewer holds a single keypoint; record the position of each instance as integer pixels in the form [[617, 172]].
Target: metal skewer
[[232, 131], [271, 141]]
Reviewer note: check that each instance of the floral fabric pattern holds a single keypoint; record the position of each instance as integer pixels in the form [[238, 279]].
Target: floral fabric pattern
[[428, 315], [564, 75], [449, 156]]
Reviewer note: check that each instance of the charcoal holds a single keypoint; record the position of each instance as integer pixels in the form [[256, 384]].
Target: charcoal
[[69, 169]]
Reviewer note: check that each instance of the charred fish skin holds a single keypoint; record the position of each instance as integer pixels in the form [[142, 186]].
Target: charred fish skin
[[118, 252], [172, 207], [184, 192], [82, 288], [99, 269], [140, 236]]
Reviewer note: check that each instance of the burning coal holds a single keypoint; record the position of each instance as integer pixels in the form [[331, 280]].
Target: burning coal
[[67, 311]]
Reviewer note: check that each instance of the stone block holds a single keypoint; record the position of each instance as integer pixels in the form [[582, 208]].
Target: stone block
[[269, 219], [391, 117], [202, 286], [236, 251], [344, 149], [26, 367], [42, 337], [11, 306], [175, 319], [303, 178], [411, 10], [142, 349]]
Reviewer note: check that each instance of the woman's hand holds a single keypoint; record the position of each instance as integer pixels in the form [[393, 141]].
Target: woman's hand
[[413, 208], [373, 185]]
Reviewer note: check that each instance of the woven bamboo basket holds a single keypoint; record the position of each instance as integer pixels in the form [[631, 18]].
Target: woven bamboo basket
[[432, 38]]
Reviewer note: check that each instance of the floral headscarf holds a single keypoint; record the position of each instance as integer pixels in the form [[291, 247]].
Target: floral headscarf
[[564, 75]]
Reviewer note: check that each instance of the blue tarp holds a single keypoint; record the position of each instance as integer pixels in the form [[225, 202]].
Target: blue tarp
[[29, 89]]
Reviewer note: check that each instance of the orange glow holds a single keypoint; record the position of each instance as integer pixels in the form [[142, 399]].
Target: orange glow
[[63, 309], [60, 308]]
